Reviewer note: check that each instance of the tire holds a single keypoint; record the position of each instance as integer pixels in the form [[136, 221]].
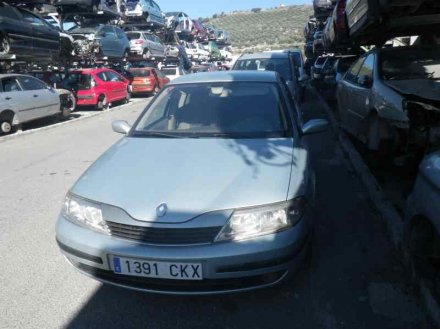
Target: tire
[[146, 54], [127, 98], [156, 90], [5, 46], [6, 127], [102, 104]]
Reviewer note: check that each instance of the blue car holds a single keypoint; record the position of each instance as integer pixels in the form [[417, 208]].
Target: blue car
[[210, 191]]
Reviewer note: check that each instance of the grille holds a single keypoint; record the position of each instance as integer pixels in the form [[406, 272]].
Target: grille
[[169, 236]]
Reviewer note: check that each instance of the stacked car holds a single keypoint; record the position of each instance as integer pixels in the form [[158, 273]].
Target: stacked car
[[68, 54]]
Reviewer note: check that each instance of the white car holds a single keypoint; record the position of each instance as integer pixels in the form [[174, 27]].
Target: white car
[[180, 22], [145, 44], [196, 52], [173, 71], [145, 9], [24, 98], [226, 53]]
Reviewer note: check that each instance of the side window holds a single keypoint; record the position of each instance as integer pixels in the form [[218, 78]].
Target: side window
[[120, 34], [7, 12], [102, 76], [10, 85], [155, 5], [352, 73], [34, 20], [30, 83], [113, 76], [109, 32], [368, 67]]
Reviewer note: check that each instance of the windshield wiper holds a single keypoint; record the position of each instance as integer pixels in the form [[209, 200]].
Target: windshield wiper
[[160, 134]]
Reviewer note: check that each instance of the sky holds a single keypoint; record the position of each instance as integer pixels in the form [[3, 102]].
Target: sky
[[206, 8]]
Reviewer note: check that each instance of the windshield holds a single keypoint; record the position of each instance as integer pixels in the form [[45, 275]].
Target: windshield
[[280, 65], [172, 14], [77, 81], [320, 60], [232, 110], [169, 71], [140, 72], [405, 64], [345, 63]]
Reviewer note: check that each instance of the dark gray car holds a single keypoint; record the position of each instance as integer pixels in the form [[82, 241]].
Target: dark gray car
[[390, 98]]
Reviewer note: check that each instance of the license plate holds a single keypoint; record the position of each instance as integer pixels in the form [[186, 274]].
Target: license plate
[[153, 269]]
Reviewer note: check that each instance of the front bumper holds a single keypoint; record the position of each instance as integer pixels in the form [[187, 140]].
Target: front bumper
[[226, 266]]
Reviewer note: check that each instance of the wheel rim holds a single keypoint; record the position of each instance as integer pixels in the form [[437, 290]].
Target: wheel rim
[[6, 127], [4, 45]]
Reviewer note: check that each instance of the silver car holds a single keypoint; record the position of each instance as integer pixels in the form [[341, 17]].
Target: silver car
[[24, 98], [211, 191], [146, 44], [147, 10], [422, 216]]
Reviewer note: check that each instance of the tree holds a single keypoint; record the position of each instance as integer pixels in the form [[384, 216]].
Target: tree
[[256, 10], [214, 16]]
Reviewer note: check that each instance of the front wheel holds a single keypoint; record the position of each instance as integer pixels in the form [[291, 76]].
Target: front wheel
[[5, 127], [102, 104], [127, 98], [5, 46], [146, 54], [156, 90]]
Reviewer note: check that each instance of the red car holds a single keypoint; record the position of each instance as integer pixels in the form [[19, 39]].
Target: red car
[[199, 31], [97, 87], [147, 80]]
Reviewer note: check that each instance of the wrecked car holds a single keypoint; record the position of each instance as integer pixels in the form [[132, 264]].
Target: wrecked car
[[146, 10], [24, 35], [389, 99], [180, 22], [112, 7], [99, 41]]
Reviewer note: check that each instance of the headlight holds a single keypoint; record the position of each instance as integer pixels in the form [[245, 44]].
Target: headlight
[[250, 223], [84, 213]]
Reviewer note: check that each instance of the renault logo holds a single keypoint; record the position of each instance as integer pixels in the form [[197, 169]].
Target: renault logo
[[161, 210]]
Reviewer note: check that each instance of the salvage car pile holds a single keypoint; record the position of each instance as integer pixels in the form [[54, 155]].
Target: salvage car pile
[[86, 52], [381, 60]]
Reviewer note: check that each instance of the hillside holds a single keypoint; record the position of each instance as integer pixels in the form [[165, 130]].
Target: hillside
[[265, 29]]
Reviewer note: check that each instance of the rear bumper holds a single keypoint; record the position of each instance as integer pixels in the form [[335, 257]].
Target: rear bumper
[[140, 89], [227, 266], [85, 100]]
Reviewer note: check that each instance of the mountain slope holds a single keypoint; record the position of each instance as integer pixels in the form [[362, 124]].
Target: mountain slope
[[268, 28]]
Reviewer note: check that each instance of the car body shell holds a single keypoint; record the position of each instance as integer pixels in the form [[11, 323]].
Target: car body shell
[[199, 31], [111, 91], [147, 45], [153, 81], [208, 203], [25, 98], [180, 22], [100, 41], [386, 100], [29, 36], [147, 10]]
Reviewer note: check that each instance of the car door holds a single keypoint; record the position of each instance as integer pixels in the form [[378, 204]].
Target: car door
[[157, 13], [361, 92], [46, 39], [151, 44], [118, 85], [18, 31], [107, 85], [344, 96], [10, 96], [108, 41], [42, 100], [123, 43], [159, 46]]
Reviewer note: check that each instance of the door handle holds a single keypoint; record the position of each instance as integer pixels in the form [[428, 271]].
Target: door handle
[[8, 98], [35, 95]]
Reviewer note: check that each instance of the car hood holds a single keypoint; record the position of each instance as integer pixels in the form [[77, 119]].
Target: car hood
[[424, 88], [192, 176]]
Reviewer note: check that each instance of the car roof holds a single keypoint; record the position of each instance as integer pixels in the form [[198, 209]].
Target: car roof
[[227, 76], [264, 55], [6, 75]]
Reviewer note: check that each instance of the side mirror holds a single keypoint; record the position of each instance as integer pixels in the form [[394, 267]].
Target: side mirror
[[121, 127], [314, 126], [365, 81]]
